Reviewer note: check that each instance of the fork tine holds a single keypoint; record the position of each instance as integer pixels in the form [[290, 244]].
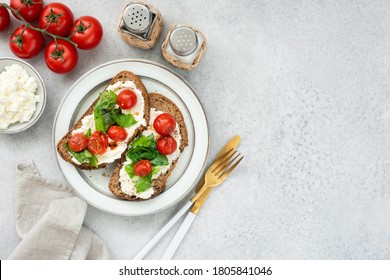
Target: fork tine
[[223, 166], [222, 162], [223, 177], [221, 159], [223, 155]]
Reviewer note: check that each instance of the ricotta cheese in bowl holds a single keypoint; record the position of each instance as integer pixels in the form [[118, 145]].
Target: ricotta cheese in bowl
[[22, 95]]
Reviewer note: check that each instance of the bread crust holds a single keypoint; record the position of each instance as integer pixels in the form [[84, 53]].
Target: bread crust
[[121, 76], [161, 103]]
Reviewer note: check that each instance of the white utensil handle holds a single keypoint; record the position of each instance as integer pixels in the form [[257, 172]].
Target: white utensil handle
[[149, 246], [178, 237]]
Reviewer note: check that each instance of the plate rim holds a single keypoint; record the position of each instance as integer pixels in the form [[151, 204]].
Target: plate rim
[[143, 61]]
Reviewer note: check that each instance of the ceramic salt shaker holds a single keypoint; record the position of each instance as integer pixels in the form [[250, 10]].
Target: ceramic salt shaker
[[140, 25]]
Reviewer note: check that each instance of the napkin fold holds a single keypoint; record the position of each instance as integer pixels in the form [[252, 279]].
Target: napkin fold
[[49, 219]]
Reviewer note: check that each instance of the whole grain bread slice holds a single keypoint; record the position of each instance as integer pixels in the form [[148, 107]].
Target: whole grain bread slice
[[161, 103], [122, 76]]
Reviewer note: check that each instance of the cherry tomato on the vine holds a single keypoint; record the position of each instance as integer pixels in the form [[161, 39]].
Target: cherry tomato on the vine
[[142, 167], [28, 9], [87, 32], [61, 57], [26, 42], [4, 18], [57, 18]]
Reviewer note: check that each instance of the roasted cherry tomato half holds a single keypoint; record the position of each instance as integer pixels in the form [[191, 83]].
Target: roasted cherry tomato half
[[164, 124], [26, 42], [166, 145], [142, 168], [61, 58], [126, 99], [78, 142], [117, 133], [4, 18], [31, 8], [87, 32], [57, 19], [98, 143]]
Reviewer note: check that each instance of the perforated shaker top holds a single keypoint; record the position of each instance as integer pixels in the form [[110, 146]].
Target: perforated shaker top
[[137, 18], [183, 41]]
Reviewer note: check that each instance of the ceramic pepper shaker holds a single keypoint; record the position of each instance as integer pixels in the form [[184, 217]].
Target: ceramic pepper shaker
[[184, 46]]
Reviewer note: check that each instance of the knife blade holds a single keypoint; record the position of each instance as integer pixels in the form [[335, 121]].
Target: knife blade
[[232, 144]]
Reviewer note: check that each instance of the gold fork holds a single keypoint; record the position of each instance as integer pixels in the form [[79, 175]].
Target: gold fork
[[219, 171], [231, 145]]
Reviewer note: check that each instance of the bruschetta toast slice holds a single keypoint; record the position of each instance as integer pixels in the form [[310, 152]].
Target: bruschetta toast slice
[[102, 134], [142, 172]]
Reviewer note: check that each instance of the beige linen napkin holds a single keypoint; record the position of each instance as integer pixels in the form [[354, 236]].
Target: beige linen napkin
[[49, 218]]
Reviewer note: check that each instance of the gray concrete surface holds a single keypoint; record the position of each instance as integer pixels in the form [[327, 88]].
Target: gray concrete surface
[[306, 85]]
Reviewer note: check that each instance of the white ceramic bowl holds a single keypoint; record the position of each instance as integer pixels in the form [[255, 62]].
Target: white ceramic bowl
[[41, 91]]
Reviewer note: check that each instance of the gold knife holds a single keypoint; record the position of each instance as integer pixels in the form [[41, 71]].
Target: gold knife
[[231, 145]]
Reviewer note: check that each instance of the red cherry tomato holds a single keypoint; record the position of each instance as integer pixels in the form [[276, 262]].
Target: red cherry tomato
[[142, 168], [164, 124], [78, 142], [166, 145], [4, 18], [126, 99], [29, 9], [57, 18], [117, 133], [87, 32], [26, 43], [61, 59], [98, 143]]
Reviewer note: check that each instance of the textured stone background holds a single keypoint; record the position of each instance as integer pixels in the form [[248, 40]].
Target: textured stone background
[[305, 83]]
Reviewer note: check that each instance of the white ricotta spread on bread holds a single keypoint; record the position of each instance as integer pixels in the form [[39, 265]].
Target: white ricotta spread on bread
[[114, 152], [126, 183]]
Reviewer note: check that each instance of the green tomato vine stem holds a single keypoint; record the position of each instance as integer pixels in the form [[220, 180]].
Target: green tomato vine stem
[[43, 31]]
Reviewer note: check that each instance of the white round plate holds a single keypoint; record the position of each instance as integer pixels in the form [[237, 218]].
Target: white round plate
[[41, 91], [92, 185]]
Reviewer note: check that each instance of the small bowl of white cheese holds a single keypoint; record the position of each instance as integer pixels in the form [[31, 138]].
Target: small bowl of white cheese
[[22, 95]]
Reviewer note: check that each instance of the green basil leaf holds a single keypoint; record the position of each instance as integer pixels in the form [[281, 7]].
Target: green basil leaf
[[108, 121], [92, 159], [107, 100], [123, 120], [80, 157], [99, 120], [140, 153], [142, 141], [155, 170], [145, 153], [144, 147], [143, 183], [152, 141], [159, 159], [132, 156], [129, 170], [84, 156], [88, 133]]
